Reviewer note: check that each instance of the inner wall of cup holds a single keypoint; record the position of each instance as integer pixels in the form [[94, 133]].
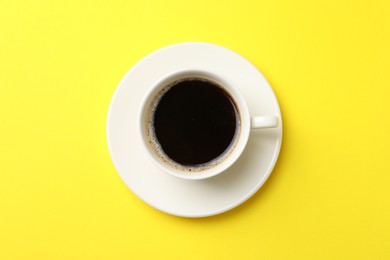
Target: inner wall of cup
[[155, 147]]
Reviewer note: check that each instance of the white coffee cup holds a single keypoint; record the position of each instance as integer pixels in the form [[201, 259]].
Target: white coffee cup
[[231, 154]]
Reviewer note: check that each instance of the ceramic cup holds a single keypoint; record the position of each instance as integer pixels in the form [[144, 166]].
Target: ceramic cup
[[232, 153]]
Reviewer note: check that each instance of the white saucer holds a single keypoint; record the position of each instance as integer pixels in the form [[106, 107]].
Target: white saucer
[[192, 198]]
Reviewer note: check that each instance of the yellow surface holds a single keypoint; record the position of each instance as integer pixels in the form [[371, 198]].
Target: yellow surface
[[328, 62]]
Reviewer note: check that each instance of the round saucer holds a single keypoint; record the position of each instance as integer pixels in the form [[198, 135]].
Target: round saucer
[[192, 198]]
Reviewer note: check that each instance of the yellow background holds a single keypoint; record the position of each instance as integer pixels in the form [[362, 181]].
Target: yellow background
[[328, 62]]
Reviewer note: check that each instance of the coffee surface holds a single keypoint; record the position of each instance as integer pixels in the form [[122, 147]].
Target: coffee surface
[[195, 121]]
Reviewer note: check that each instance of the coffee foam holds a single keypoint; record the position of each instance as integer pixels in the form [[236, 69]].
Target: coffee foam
[[155, 146]]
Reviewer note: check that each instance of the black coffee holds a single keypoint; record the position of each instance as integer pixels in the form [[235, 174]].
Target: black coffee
[[195, 121]]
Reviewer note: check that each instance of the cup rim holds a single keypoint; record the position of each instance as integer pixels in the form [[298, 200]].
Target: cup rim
[[241, 104]]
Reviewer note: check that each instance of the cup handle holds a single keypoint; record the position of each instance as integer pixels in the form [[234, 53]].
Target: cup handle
[[259, 122]]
